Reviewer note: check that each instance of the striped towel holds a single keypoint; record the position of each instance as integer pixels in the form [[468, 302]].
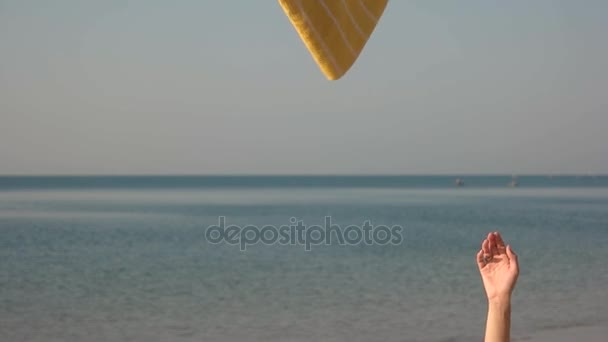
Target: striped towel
[[334, 31]]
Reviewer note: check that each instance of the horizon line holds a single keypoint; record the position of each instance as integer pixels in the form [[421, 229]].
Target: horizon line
[[565, 174]]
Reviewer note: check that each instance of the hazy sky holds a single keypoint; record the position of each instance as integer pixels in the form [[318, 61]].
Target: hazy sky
[[209, 87]]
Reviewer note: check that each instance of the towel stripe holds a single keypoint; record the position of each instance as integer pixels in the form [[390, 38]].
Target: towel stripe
[[353, 21], [339, 27], [371, 15]]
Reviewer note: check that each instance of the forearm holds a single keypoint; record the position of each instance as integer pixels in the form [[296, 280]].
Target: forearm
[[498, 325]]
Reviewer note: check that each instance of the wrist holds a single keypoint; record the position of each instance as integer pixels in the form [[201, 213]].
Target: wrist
[[500, 302]]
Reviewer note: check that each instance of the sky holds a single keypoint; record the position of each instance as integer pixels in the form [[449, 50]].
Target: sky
[[227, 87]]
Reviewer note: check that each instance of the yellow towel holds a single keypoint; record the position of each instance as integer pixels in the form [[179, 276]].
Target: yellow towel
[[334, 31]]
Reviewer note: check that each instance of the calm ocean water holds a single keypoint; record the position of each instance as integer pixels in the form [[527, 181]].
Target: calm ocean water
[[125, 258]]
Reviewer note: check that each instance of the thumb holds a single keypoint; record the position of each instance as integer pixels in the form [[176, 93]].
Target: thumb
[[512, 257], [480, 261]]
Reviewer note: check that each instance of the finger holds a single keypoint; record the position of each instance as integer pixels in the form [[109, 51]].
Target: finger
[[480, 260], [499, 242], [512, 257], [485, 246], [492, 241]]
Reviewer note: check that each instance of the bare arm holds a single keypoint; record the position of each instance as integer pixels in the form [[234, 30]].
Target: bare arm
[[498, 324], [499, 270]]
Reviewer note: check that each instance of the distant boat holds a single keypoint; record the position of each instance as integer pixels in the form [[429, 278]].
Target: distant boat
[[513, 183], [459, 182]]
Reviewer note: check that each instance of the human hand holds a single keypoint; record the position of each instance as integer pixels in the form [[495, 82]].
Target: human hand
[[498, 268]]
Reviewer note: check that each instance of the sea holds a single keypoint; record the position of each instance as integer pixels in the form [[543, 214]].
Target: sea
[[127, 258]]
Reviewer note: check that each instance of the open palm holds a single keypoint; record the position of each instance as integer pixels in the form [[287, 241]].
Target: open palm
[[498, 267]]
